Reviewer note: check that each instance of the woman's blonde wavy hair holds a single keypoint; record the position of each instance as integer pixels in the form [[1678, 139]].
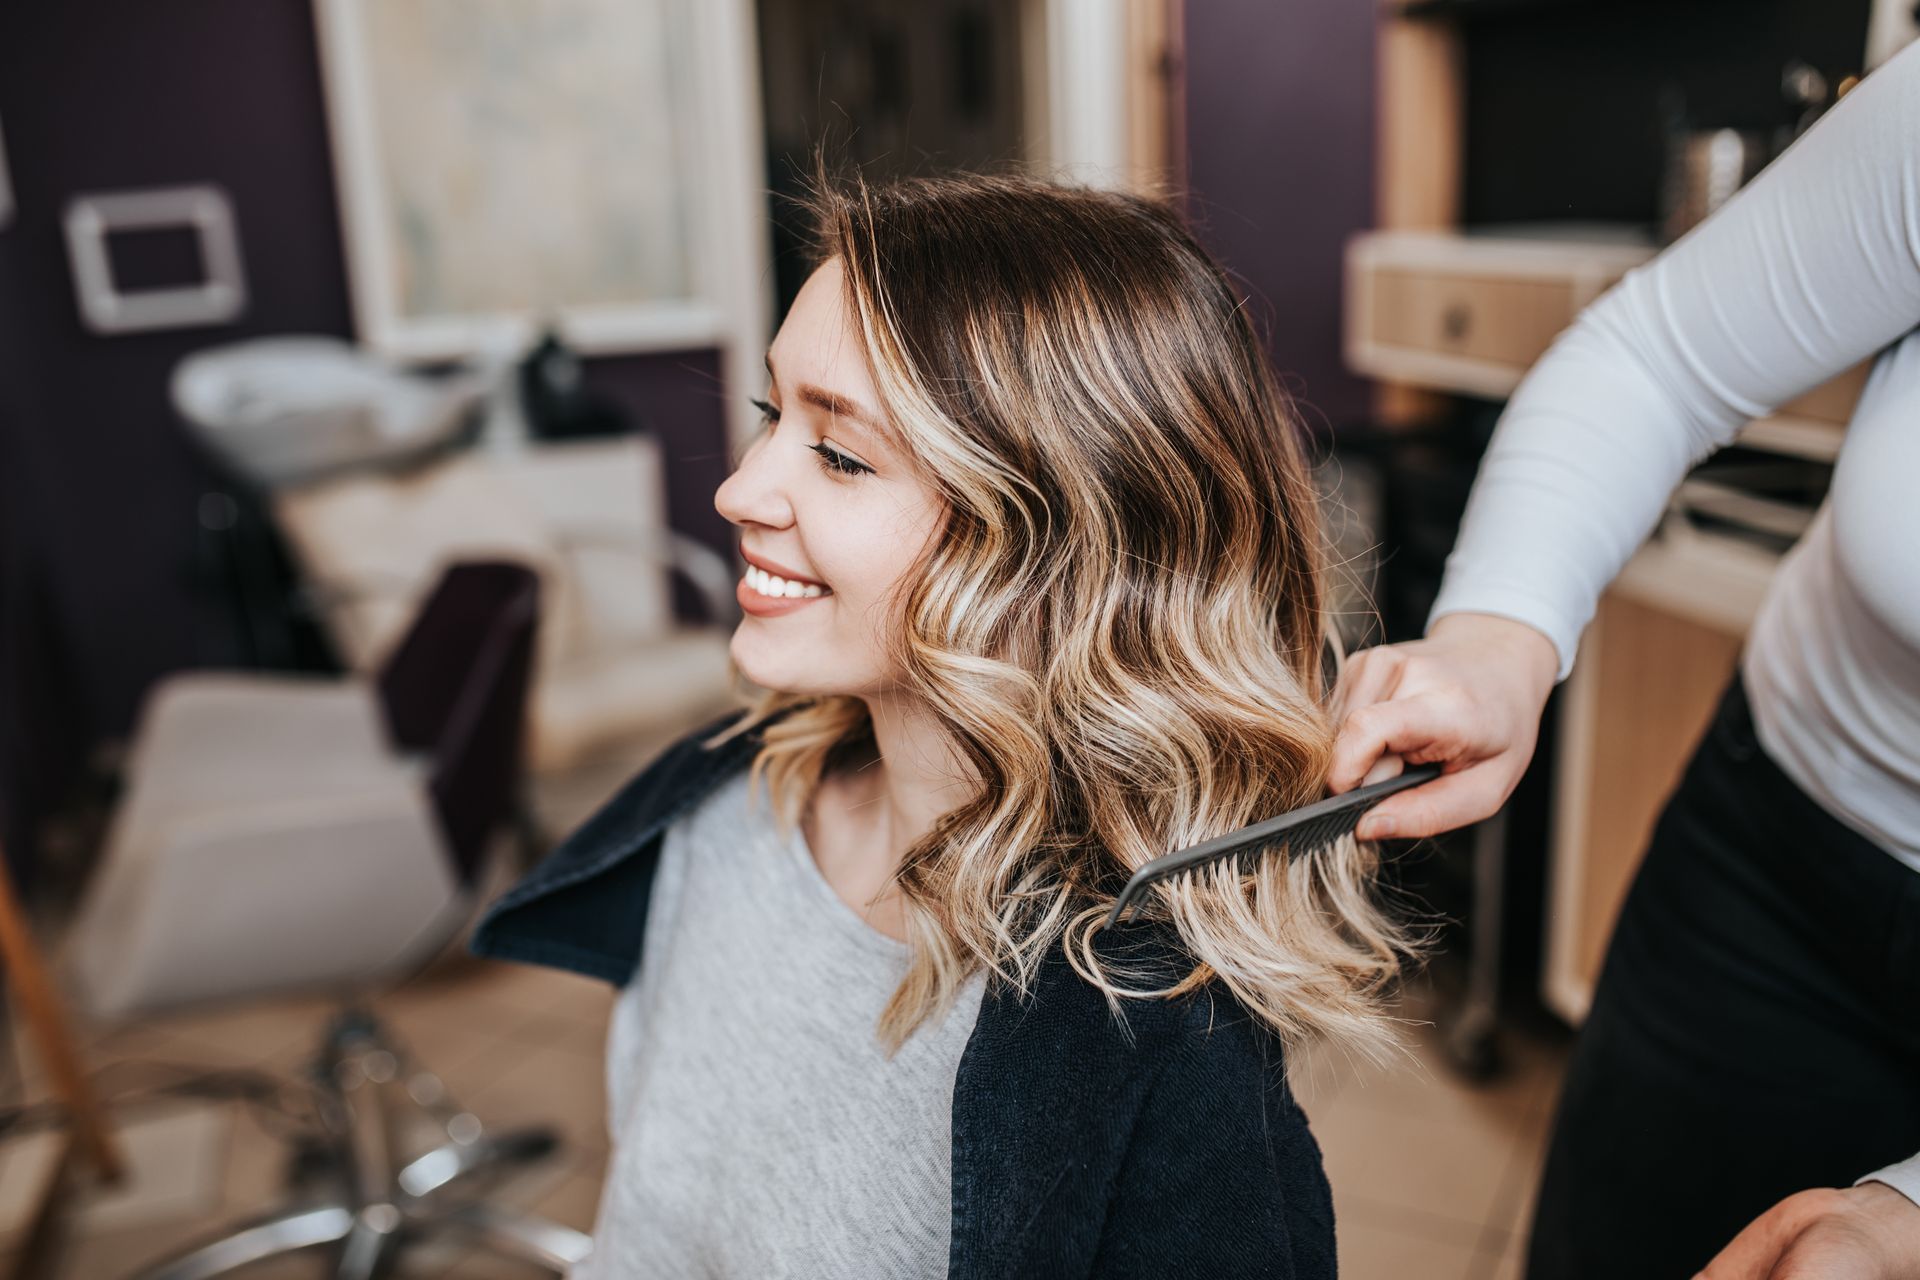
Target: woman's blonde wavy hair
[[1120, 625]]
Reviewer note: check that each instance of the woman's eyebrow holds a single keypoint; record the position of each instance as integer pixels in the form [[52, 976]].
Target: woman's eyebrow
[[839, 406], [844, 407]]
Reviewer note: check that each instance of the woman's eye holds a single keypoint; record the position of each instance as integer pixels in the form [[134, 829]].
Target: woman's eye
[[839, 463], [768, 413]]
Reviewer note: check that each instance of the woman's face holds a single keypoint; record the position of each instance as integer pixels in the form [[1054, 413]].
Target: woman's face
[[831, 516]]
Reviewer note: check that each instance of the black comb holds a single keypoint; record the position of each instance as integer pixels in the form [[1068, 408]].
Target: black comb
[[1303, 831]]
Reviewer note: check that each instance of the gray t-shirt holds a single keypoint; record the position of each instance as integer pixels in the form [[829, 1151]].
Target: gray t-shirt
[[758, 1129]]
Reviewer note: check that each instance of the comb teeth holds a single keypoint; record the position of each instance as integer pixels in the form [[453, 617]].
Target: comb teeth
[[1300, 833], [1325, 831]]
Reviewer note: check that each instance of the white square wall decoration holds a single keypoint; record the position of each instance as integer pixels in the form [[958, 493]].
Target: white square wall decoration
[[218, 298]]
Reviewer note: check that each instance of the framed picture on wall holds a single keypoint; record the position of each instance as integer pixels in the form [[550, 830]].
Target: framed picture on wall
[[502, 165]]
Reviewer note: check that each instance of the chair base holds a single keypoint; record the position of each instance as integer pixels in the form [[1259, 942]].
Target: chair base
[[371, 1208]]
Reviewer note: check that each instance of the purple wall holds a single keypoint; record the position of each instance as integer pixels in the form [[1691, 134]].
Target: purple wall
[[1280, 168], [98, 499], [99, 97]]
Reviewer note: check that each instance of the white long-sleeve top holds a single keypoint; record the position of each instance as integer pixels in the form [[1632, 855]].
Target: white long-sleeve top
[[1811, 269]]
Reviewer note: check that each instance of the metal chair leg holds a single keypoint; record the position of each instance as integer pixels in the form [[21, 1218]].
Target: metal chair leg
[[535, 1240], [371, 1245], [357, 1083], [454, 1162], [272, 1236], [1471, 1034]]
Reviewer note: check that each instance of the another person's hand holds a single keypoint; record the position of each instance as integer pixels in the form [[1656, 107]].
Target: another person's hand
[[1470, 695], [1868, 1232]]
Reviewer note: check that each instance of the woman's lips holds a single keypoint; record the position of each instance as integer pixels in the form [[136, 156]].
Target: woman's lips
[[763, 606], [769, 589], [778, 570]]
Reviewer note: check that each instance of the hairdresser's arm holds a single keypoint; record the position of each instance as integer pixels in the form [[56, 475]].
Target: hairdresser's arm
[[1811, 269]]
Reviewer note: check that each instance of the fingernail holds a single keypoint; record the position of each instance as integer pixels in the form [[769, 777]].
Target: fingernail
[[1377, 828]]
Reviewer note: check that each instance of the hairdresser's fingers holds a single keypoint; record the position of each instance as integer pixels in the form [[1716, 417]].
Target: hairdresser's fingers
[[1422, 727], [1447, 803], [1384, 768], [1369, 676]]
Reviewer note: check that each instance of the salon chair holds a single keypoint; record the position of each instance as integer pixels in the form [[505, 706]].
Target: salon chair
[[283, 833], [616, 675]]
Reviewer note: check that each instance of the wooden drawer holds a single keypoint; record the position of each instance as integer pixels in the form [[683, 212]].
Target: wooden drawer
[[1508, 321], [1442, 311], [1451, 312]]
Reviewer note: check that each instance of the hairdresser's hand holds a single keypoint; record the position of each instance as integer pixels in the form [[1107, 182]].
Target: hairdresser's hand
[[1470, 695], [1868, 1232]]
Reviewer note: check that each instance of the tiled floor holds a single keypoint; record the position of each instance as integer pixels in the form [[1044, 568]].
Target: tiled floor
[[1431, 1178]]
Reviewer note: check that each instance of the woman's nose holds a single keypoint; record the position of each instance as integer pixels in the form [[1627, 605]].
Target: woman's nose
[[754, 493]]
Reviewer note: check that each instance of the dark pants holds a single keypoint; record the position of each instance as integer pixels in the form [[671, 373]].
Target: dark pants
[[1756, 1030]]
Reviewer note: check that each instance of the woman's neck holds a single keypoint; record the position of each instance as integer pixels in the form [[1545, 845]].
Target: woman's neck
[[921, 773], [864, 820]]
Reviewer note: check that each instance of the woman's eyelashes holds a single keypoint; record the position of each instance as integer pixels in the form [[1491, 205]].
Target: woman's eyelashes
[[838, 463], [832, 460]]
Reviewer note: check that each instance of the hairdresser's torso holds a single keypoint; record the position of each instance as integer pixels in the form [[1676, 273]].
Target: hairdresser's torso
[[1833, 663], [1076, 1148]]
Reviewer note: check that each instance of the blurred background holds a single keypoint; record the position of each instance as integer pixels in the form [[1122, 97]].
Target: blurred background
[[366, 371]]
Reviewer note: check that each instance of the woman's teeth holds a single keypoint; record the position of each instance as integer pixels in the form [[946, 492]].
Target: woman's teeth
[[769, 585]]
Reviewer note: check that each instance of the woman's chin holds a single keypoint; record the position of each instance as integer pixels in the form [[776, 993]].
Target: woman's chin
[[770, 665], [789, 672]]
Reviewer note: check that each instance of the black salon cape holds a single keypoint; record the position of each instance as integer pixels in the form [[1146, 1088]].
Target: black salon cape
[[1170, 1146]]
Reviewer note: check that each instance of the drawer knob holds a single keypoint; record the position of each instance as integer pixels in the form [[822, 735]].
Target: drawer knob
[[1454, 322]]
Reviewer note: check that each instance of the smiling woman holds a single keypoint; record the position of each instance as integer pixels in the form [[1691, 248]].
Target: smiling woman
[[822, 502], [1034, 590], [1075, 561]]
